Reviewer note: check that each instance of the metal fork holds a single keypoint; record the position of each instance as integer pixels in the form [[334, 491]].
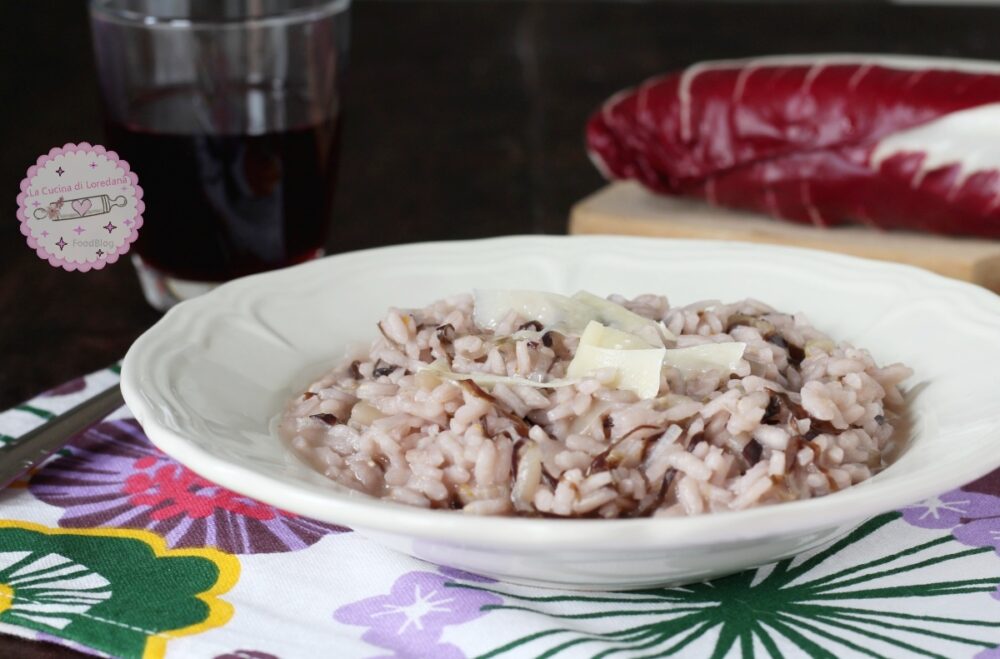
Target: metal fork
[[29, 450]]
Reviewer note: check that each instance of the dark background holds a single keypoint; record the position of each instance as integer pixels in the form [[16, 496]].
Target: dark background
[[463, 119]]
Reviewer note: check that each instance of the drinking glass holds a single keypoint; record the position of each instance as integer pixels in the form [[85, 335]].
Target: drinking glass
[[229, 113]]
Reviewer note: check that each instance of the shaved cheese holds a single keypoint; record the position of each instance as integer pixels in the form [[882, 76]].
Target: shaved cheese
[[637, 365], [440, 369], [617, 316], [550, 309], [636, 370], [598, 335], [711, 356], [563, 314]]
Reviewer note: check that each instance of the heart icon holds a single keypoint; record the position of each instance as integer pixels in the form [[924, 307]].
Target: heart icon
[[81, 206]]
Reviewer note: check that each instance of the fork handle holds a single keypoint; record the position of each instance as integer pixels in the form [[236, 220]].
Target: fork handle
[[29, 450]]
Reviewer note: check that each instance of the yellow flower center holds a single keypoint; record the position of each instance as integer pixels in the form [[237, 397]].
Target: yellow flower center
[[6, 597]]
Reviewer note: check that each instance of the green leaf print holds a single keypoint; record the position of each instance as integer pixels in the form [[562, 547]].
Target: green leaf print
[[119, 591], [893, 605]]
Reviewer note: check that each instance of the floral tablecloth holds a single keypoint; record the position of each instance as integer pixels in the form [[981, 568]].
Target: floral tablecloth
[[115, 549]]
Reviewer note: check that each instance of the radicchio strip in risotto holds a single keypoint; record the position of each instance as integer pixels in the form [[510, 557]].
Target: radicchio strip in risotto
[[535, 404]]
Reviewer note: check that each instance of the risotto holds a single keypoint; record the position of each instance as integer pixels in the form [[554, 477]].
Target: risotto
[[536, 404]]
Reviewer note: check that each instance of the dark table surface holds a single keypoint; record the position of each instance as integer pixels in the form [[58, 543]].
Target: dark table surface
[[463, 119]]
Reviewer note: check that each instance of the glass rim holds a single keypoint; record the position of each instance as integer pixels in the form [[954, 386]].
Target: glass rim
[[321, 8]]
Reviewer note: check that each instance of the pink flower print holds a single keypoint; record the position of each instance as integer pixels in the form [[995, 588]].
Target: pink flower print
[[172, 490], [113, 476]]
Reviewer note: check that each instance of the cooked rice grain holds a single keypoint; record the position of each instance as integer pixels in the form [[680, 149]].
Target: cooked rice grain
[[801, 417]]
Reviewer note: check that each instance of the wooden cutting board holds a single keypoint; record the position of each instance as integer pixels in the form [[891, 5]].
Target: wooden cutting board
[[626, 208]]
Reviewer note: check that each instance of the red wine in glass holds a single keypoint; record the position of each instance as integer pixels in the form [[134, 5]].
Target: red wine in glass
[[221, 205]]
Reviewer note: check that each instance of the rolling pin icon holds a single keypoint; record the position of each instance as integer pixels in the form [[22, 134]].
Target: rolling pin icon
[[73, 209]]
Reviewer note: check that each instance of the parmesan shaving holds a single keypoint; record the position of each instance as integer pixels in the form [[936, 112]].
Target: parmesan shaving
[[637, 365], [567, 315], [708, 357]]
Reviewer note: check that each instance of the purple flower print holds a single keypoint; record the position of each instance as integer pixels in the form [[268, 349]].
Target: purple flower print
[[973, 516], [66, 388], [113, 476], [246, 654], [950, 509], [980, 533], [455, 573], [991, 653], [410, 618]]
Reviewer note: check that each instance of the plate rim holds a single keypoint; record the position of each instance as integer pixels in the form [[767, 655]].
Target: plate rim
[[364, 513]]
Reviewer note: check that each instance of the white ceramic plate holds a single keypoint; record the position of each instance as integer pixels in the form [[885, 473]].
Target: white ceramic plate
[[209, 379]]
